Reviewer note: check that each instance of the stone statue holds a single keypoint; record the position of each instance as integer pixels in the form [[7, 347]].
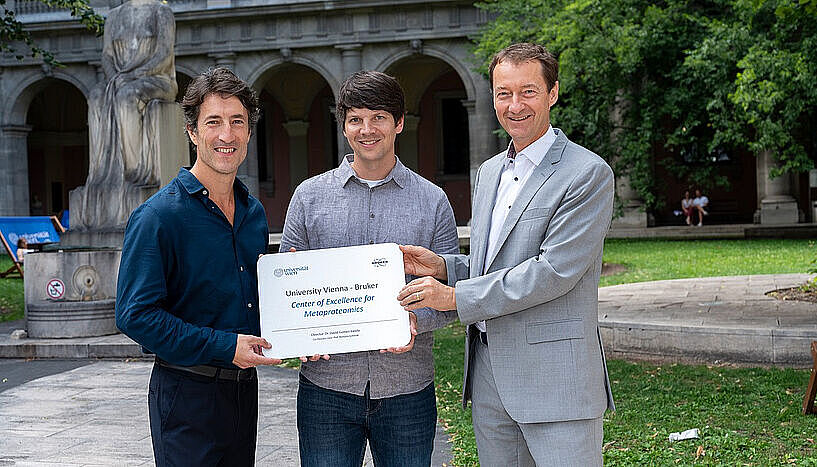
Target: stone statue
[[138, 62]]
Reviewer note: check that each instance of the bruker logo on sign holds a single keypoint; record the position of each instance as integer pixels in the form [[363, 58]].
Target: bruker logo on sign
[[379, 262]]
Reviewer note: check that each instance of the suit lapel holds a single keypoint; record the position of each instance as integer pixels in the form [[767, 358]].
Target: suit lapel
[[484, 203], [538, 178]]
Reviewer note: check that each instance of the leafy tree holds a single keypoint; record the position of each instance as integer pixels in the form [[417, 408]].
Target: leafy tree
[[692, 77], [13, 31]]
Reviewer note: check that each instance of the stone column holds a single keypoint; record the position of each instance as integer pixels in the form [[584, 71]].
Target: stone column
[[224, 59], [343, 145], [777, 206], [351, 57], [14, 170], [482, 141], [633, 214], [298, 148], [409, 150]]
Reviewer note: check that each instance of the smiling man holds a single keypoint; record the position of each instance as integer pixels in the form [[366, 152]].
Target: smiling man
[[534, 366], [188, 291], [386, 398]]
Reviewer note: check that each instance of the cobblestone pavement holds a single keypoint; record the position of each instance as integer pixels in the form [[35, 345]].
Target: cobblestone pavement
[[96, 415]]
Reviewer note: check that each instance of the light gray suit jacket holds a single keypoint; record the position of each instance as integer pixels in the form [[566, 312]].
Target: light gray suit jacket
[[539, 293]]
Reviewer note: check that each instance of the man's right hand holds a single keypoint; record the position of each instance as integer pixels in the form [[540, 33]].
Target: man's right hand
[[247, 352], [419, 261]]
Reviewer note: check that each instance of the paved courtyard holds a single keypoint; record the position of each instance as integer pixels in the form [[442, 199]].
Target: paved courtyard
[[96, 415]]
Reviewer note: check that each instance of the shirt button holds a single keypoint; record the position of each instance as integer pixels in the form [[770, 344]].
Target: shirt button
[[371, 215], [509, 207], [371, 242], [516, 179], [204, 192], [249, 305], [241, 268]]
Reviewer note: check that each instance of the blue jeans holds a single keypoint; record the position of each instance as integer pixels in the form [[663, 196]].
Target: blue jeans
[[333, 427]]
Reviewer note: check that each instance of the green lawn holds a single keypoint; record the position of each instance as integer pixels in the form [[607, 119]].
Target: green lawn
[[11, 294], [746, 416], [650, 260]]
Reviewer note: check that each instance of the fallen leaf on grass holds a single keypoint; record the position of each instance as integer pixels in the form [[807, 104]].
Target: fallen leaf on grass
[[700, 452]]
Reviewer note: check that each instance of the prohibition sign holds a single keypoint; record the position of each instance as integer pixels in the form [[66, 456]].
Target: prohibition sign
[[55, 289]]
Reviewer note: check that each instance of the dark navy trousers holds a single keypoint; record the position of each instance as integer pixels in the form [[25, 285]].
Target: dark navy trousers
[[201, 421]]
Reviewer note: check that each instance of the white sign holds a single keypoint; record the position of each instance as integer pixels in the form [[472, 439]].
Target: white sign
[[55, 289], [332, 301]]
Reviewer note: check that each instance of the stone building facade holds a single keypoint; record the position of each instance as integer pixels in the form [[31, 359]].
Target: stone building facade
[[295, 54]]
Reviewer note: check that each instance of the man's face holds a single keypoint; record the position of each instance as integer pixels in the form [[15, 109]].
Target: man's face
[[371, 133], [522, 101], [697, 193], [222, 134]]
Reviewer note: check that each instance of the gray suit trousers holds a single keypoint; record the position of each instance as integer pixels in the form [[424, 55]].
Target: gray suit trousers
[[501, 441]]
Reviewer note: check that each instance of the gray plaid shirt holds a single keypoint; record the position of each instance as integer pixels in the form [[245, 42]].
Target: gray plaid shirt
[[336, 209]]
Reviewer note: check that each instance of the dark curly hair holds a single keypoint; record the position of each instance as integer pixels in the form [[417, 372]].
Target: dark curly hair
[[225, 83]]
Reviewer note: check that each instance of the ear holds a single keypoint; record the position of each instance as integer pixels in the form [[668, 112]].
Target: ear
[[553, 95], [191, 133], [398, 127]]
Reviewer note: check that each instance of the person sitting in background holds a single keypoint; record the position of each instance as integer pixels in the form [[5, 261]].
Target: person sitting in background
[[22, 249], [699, 203], [686, 207]]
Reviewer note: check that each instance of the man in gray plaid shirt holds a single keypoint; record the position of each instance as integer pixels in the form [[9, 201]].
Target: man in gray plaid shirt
[[385, 397]]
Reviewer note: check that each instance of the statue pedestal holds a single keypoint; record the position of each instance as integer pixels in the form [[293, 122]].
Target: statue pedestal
[[631, 218], [70, 293], [778, 210]]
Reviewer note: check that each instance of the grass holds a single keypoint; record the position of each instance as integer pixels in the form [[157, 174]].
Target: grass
[[650, 260], [746, 416], [11, 294]]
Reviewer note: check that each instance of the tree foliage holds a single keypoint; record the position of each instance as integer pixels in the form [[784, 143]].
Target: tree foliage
[[13, 33], [696, 78]]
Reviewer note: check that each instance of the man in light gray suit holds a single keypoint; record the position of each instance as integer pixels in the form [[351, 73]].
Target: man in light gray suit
[[534, 365]]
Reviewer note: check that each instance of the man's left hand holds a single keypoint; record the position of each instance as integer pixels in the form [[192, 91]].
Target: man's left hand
[[427, 292]]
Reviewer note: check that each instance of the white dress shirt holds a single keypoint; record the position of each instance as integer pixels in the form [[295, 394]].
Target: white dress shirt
[[515, 174]]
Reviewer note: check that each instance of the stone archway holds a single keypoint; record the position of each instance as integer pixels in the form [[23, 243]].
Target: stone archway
[[297, 136], [57, 145], [435, 139]]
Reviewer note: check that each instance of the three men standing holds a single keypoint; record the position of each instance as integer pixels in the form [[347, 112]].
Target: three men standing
[[535, 370]]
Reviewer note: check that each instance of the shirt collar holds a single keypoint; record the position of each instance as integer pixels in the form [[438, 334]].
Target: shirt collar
[[536, 151], [193, 185], [399, 173]]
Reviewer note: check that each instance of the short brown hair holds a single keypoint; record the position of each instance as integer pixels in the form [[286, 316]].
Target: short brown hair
[[527, 52], [371, 90], [225, 83]]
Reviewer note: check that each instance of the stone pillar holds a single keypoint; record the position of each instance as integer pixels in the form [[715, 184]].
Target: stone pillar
[[777, 206], [14, 170], [343, 145], [298, 148], [633, 214], [482, 141], [224, 59], [409, 148], [351, 57]]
